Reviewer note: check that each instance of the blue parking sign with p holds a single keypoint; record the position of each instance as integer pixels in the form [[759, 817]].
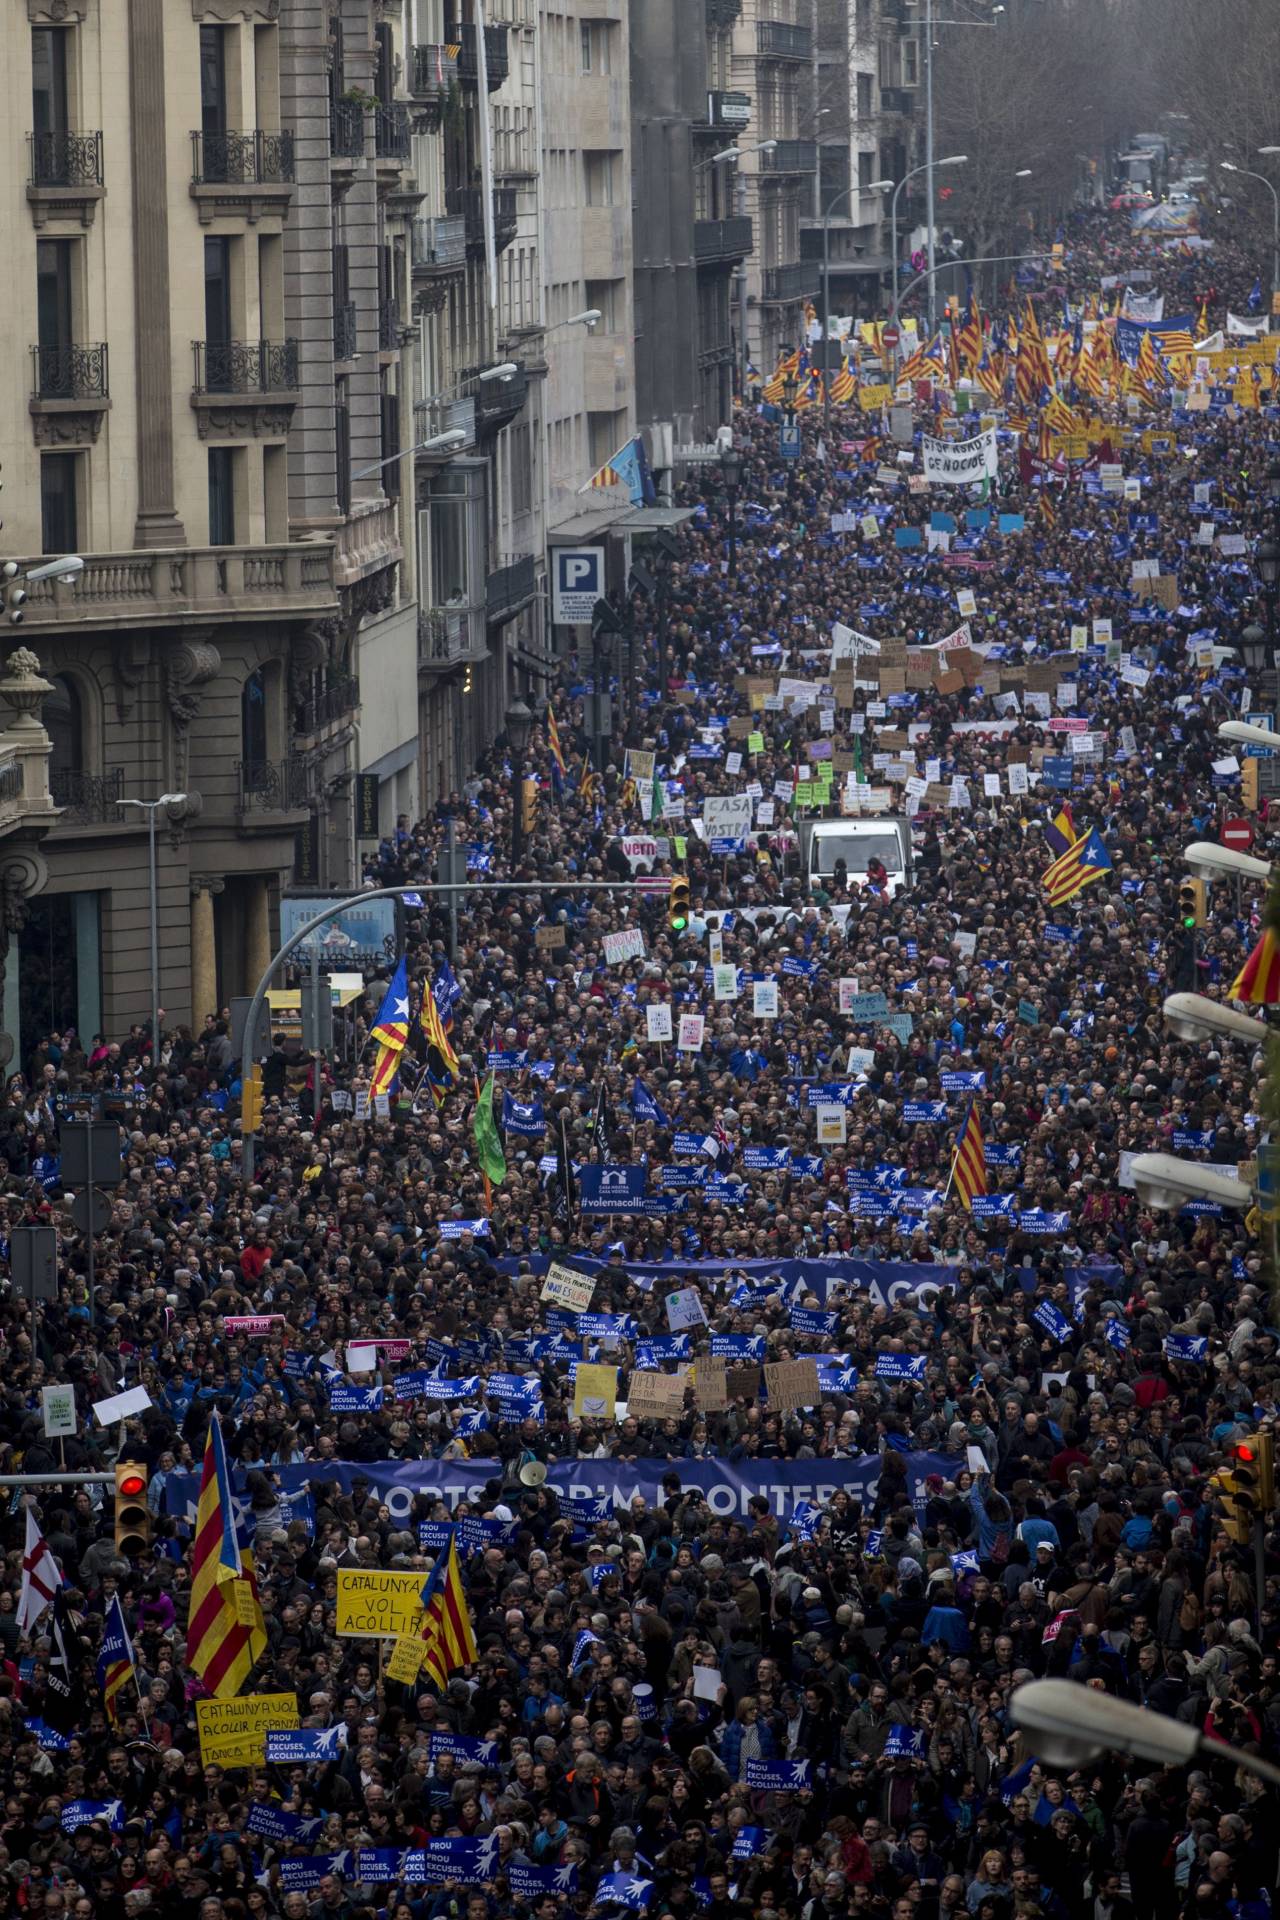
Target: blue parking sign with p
[[577, 582]]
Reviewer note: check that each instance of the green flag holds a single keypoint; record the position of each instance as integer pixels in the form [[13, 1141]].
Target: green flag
[[488, 1144]]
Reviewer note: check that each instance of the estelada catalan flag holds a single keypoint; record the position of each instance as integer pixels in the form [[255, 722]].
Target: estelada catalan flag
[[226, 1634], [1258, 981], [1078, 868], [391, 1031], [968, 1167], [115, 1659], [446, 1628]]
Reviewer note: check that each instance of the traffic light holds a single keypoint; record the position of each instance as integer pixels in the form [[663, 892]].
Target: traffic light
[[132, 1516], [1242, 1505], [1191, 903], [1254, 1463], [1249, 785], [251, 1102], [529, 804], [678, 904]]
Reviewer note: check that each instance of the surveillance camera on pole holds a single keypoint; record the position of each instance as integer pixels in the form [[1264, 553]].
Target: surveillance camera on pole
[[1167, 1184], [1193, 1017], [1208, 861]]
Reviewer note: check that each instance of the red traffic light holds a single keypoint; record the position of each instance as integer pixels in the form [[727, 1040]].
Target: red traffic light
[[1245, 1453], [131, 1485]]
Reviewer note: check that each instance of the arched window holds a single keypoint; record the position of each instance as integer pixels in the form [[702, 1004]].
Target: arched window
[[253, 720], [64, 723]]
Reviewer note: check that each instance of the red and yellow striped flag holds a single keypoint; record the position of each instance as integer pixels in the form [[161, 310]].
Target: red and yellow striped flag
[[447, 1629], [968, 1167], [226, 1634], [1258, 981]]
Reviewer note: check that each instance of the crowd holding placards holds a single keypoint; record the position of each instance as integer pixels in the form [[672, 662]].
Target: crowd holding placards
[[864, 1383]]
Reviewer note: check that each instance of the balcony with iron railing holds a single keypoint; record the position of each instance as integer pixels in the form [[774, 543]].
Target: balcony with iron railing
[[432, 71], [273, 786], [68, 370], [497, 60], [243, 367], [335, 702], [444, 638], [346, 129], [60, 158], [719, 242], [498, 402], [87, 799], [789, 156], [798, 282], [431, 418], [64, 175], [252, 158], [437, 244], [393, 134], [778, 40], [468, 204], [345, 338], [388, 325], [509, 589]]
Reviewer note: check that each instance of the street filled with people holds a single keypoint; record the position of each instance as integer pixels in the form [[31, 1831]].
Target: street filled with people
[[690, 1355]]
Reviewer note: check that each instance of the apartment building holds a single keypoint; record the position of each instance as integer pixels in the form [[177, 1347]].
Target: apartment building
[[771, 59], [689, 237], [175, 412], [868, 67]]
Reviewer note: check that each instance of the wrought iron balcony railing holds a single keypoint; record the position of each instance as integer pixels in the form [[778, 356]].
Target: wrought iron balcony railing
[[251, 158], [273, 786], [60, 158], [87, 797], [344, 331], [246, 366], [70, 371]]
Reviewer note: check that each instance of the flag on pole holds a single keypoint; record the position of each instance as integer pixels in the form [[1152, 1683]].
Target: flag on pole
[[434, 1032], [493, 1161], [968, 1167], [1078, 868], [1060, 833], [446, 1628], [115, 1659], [40, 1576], [557, 754], [1258, 981], [391, 1031], [226, 1634]]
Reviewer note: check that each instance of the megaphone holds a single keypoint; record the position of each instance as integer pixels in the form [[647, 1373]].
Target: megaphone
[[532, 1472]]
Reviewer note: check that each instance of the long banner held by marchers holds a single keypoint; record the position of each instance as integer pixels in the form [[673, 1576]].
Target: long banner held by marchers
[[728, 1488], [888, 1283], [959, 463]]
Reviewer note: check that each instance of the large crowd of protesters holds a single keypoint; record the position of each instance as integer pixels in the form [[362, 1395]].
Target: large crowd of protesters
[[740, 1658]]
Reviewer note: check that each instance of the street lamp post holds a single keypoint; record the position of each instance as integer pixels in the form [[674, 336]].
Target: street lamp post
[[519, 724], [731, 476], [1267, 560], [151, 808], [983, 260], [1068, 1725], [845, 193], [1254, 652], [1229, 166]]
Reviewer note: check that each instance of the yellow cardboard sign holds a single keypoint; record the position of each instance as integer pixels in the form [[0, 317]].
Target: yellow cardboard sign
[[872, 398], [376, 1605], [233, 1733], [595, 1391], [405, 1660]]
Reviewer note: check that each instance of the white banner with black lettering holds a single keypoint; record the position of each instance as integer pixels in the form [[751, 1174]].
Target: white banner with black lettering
[[958, 463]]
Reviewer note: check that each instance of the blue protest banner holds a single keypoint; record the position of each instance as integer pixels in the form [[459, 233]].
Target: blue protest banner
[[609, 1189]]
